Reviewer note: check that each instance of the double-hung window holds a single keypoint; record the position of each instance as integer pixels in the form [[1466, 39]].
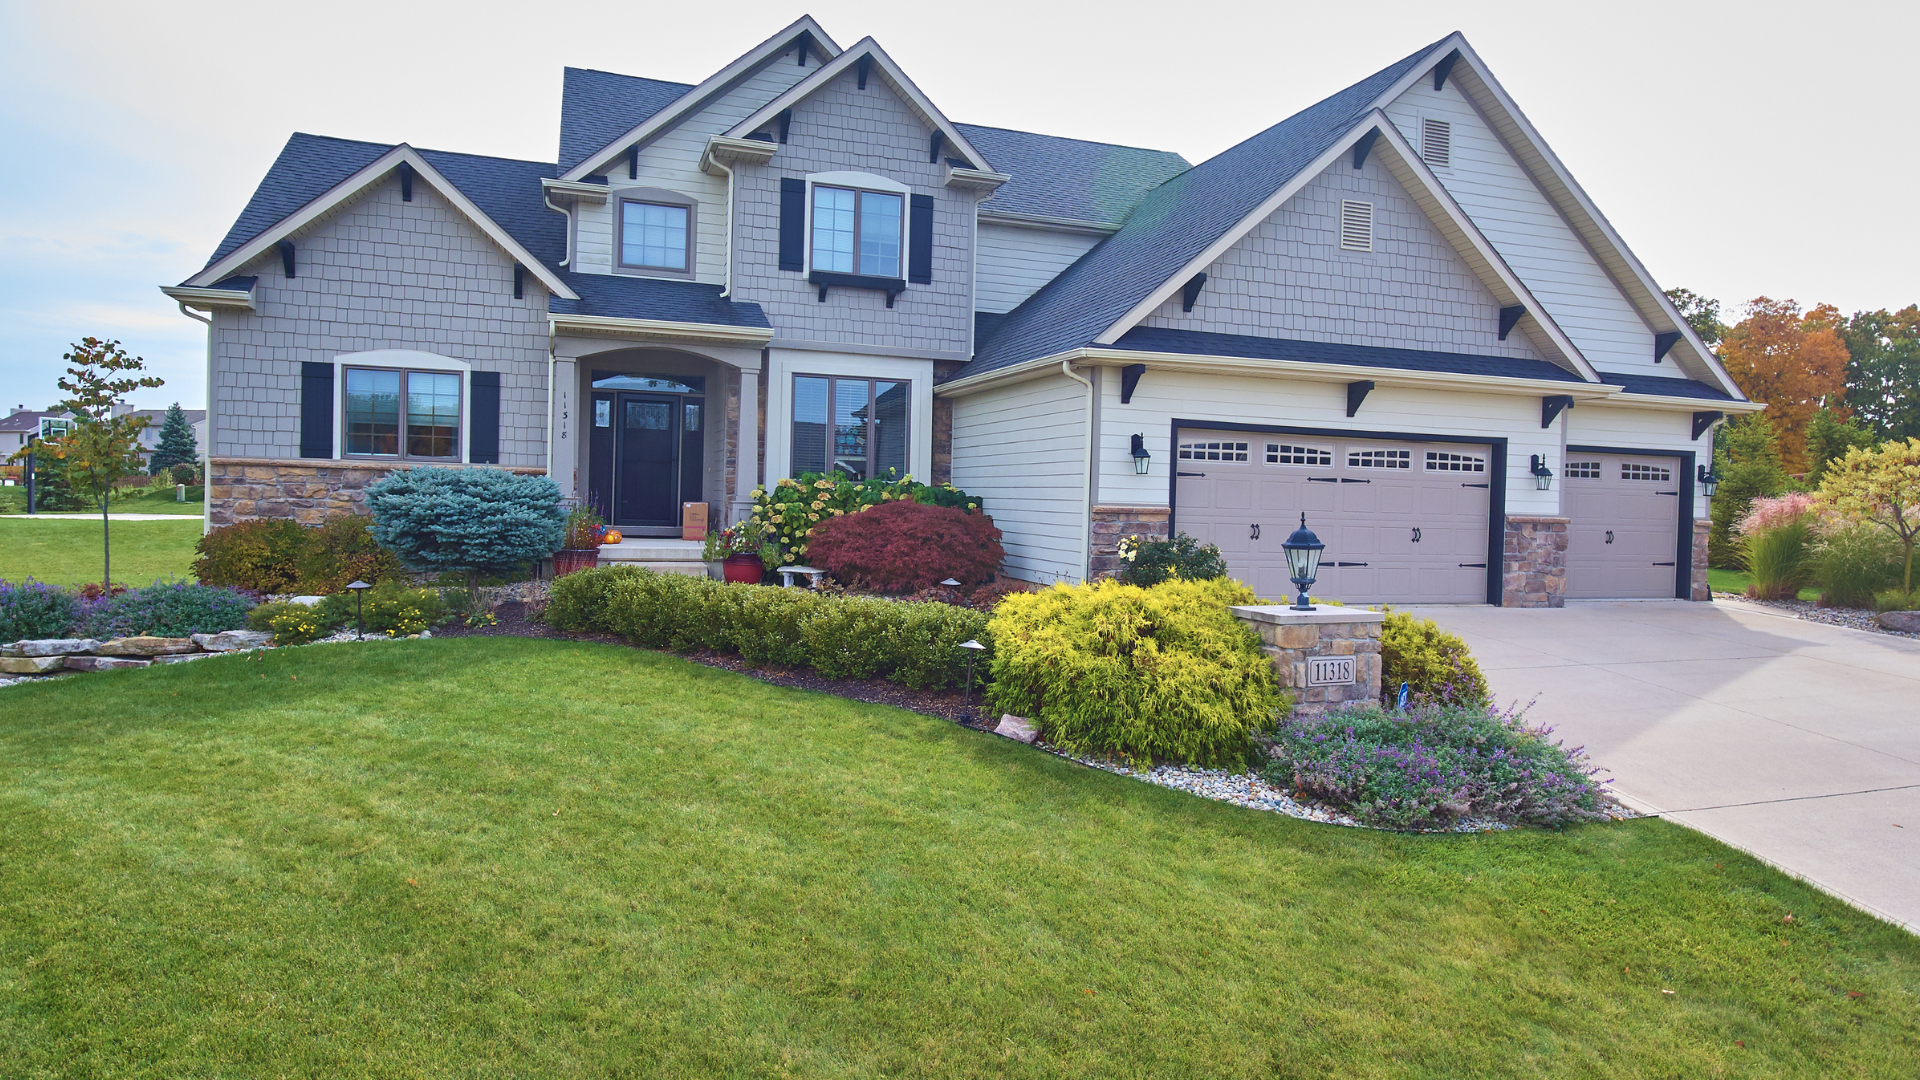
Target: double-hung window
[[655, 236], [852, 428], [394, 413], [857, 232]]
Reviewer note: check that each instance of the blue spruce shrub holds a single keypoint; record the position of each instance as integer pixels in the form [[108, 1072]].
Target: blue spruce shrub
[[30, 610], [474, 522]]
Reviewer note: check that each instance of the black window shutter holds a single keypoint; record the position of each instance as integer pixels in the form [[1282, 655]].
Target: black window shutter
[[484, 426], [316, 410], [920, 241], [793, 224]]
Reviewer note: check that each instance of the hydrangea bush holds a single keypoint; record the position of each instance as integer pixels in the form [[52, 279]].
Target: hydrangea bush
[[790, 510], [1435, 764]]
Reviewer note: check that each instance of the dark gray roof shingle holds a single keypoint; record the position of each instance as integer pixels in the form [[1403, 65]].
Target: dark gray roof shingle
[[1195, 342], [623, 297], [1070, 178], [1175, 223], [307, 167], [597, 107], [1664, 386]]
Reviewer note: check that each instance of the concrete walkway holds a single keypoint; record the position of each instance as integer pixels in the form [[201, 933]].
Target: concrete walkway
[[1796, 741]]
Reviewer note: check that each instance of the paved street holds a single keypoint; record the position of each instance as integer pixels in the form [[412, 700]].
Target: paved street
[[1796, 741]]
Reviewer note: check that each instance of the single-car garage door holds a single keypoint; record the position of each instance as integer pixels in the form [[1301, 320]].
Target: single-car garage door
[[1404, 522], [1623, 515]]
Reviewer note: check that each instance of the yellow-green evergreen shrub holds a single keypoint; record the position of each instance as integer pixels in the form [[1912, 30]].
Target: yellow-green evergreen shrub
[[1436, 666], [1146, 674]]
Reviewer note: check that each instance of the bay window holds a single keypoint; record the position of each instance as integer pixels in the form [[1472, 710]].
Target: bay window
[[854, 429], [395, 413]]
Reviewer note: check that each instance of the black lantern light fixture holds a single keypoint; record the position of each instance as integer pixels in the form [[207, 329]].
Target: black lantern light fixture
[[1542, 476], [1709, 480], [1303, 560], [359, 598], [972, 647], [1140, 455]]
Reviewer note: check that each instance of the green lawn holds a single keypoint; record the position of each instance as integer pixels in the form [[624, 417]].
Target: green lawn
[[499, 857], [67, 552], [1736, 581], [13, 500]]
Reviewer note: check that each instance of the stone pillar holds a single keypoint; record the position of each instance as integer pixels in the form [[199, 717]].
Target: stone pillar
[[1533, 563], [1310, 651], [942, 441], [1698, 588], [1112, 523]]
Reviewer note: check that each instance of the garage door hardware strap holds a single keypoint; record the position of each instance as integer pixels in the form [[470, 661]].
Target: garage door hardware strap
[[1190, 474], [1476, 565], [1473, 485], [1663, 564], [1349, 564]]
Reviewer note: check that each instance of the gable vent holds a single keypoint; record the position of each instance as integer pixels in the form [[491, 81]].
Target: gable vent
[[1356, 225], [1436, 143]]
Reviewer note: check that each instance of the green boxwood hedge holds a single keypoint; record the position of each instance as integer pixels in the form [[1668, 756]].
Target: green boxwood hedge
[[841, 637]]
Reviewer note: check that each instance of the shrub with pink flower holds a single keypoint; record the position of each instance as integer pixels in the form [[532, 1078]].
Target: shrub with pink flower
[[1765, 515]]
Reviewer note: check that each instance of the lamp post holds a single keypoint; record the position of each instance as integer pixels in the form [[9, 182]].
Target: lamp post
[[1709, 481], [31, 440], [972, 647], [1303, 559], [1140, 456], [1542, 476], [359, 598]]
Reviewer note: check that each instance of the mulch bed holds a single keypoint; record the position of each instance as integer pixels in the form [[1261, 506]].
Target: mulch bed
[[944, 704]]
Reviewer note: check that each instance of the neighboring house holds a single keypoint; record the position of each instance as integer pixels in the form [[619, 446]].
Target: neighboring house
[[1394, 312], [22, 423], [150, 435]]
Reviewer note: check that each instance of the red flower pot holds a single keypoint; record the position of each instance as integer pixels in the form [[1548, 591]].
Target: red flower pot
[[743, 569], [567, 560]]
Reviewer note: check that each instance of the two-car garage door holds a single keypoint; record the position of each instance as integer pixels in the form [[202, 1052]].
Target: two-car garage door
[[1404, 522]]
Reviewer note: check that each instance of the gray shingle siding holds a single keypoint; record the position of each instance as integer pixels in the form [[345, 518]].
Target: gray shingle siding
[[379, 273], [842, 128], [1290, 278]]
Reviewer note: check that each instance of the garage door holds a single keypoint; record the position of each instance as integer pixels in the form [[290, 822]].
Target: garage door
[[1403, 522], [1623, 525]]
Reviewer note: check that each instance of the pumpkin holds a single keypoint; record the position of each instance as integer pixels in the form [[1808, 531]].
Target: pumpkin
[[612, 536]]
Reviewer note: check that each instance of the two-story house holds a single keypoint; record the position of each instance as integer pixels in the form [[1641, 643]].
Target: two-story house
[[1395, 312]]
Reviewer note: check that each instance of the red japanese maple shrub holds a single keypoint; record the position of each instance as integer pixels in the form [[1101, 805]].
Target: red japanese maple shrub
[[898, 547]]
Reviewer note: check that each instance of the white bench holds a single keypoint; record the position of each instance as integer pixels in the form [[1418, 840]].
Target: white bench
[[814, 575]]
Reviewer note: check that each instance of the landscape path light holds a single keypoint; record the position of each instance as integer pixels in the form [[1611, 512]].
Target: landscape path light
[[1303, 560], [359, 598], [972, 647]]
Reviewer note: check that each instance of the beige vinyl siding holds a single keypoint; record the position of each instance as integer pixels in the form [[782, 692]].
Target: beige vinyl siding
[[672, 161], [1163, 396], [1015, 262], [1526, 229], [1021, 448]]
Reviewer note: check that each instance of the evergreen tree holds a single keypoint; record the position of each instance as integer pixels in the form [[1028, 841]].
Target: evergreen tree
[[177, 446], [1829, 437], [1746, 455]]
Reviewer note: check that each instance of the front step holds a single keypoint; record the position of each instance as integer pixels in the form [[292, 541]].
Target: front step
[[660, 555]]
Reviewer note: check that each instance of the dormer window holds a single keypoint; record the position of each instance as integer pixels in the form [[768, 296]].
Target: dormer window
[[857, 232], [656, 233]]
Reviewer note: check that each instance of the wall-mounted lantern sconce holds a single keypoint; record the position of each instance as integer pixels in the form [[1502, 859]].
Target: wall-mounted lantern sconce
[[1140, 455], [1709, 480], [1542, 476]]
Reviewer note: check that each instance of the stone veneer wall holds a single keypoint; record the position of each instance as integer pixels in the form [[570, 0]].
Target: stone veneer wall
[[1698, 588], [1533, 566], [308, 491], [1291, 638], [1112, 523]]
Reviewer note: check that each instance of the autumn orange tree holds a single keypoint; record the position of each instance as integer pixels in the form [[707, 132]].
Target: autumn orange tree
[[1794, 361]]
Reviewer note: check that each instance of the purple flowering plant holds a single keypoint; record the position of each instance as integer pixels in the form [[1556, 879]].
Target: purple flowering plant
[[175, 609], [33, 609], [1435, 764]]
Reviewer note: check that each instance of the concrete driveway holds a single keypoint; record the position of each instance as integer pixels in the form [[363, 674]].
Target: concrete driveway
[[1796, 741]]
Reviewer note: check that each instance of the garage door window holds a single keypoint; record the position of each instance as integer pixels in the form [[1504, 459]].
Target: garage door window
[[1583, 470], [1440, 461], [1631, 471], [1213, 451], [1380, 459], [1292, 454]]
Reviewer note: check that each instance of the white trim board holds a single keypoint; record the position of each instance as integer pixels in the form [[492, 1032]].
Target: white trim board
[[353, 185], [690, 102]]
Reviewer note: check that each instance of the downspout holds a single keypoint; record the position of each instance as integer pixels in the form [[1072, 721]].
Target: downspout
[[726, 279], [1086, 477], [206, 479], [568, 214]]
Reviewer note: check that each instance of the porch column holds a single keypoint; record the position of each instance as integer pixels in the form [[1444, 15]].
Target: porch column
[[563, 450], [747, 443]]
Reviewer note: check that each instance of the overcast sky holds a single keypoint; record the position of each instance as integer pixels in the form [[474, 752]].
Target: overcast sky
[[1740, 149]]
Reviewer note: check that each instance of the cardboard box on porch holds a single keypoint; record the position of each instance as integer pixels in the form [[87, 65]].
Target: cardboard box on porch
[[693, 521]]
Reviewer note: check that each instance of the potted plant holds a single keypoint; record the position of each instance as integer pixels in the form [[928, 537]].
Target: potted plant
[[738, 550], [580, 546]]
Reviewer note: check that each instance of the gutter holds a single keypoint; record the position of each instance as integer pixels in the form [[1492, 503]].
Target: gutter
[[1086, 475], [714, 333]]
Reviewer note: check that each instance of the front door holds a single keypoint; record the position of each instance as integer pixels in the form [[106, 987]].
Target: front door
[[647, 456]]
